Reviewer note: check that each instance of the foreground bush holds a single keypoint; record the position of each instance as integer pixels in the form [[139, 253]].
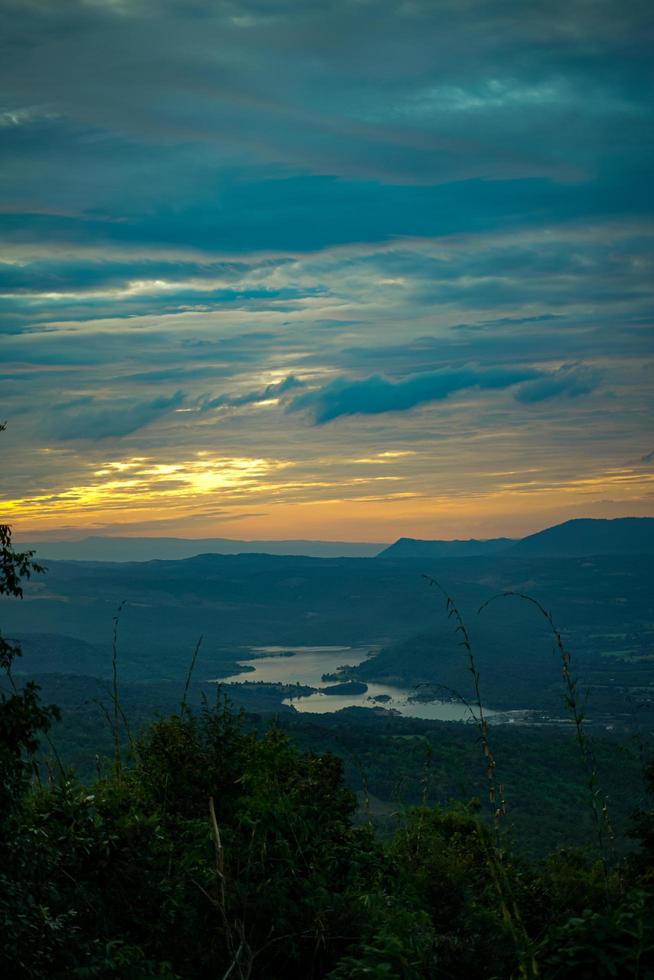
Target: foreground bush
[[217, 853]]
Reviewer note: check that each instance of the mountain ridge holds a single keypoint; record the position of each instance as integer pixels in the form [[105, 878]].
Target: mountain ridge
[[587, 536], [579, 537], [457, 548], [125, 549]]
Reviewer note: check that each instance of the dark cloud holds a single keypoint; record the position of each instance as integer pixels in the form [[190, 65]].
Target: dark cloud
[[277, 390], [374, 395], [571, 381], [57, 275], [94, 419], [152, 121]]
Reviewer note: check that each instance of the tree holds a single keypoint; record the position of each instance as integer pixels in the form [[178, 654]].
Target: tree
[[14, 566], [22, 716]]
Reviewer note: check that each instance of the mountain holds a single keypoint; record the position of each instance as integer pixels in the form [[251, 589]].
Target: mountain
[[572, 539], [576, 538], [415, 548], [98, 548], [587, 536]]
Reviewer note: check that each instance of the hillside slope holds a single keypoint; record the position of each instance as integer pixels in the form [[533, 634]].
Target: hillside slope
[[586, 536], [416, 548]]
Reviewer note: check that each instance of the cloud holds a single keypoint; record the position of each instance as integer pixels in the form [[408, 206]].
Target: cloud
[[374, 395], [276, 390], [185, 204], [570, 380], [420, 94], [95, 419]]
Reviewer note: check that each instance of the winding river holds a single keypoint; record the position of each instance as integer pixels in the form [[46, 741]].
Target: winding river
[[306, 665]]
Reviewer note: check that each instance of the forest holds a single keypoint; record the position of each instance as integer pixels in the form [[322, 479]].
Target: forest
[[215, 842]]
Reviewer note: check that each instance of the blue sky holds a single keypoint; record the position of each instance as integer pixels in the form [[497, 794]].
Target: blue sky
[[341, 269]]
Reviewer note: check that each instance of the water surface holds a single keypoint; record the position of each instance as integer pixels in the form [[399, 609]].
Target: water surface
[[308, 664]]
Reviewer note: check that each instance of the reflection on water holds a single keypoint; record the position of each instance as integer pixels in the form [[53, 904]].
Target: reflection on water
[[308, 664]]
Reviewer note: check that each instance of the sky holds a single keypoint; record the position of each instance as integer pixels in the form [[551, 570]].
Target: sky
[[347, 270]]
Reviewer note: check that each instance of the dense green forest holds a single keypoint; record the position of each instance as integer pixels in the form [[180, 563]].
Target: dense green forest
[[388, 762], [212, 842]]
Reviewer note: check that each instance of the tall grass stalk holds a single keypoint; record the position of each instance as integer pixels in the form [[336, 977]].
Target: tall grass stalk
[[572, 699], [242, 956], [118, 712], [183, 706], [476, 707], [493, 851]]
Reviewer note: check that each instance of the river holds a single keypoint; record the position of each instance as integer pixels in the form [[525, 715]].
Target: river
[[308, 664]]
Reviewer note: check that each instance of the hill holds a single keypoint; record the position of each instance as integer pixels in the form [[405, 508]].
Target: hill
[[416, 548], [99, 548], [577, 538], [586, 536]]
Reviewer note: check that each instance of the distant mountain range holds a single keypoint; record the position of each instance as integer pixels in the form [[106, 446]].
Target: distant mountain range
[[576, 538], [415, 548], [98, 548]]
